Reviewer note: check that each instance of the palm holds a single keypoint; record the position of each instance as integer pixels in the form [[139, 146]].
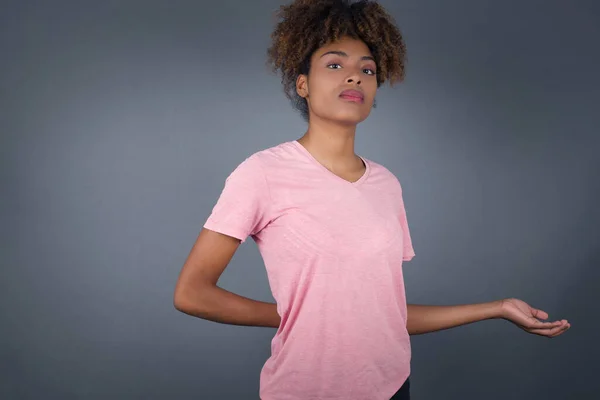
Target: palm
[[532, 320]]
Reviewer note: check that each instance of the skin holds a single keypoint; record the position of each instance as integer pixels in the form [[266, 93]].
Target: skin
[[330, 137]]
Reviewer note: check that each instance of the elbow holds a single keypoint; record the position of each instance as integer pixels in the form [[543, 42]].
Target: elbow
[[183, 302], [180, 301], [189, 301]]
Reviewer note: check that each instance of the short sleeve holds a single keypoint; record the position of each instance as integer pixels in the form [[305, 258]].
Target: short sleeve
[[243, 207], [409, 251]]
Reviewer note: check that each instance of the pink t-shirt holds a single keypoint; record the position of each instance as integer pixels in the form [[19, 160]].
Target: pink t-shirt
[[333, 251]]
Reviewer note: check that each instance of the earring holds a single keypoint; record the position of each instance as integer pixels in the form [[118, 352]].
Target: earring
[[374, 103]]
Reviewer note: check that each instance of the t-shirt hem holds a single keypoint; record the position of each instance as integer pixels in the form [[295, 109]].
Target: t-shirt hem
[[226, 230]]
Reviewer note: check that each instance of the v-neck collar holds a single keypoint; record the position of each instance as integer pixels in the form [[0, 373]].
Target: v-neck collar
[[313, 160]]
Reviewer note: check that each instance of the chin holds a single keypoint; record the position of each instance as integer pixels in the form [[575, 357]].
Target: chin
[[344, 115], [354, 117]]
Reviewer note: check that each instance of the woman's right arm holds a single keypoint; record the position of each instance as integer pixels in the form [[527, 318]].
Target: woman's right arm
[[197, 293]]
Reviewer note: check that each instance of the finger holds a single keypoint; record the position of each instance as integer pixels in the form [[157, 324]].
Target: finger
[[551, 332], [540, 314], [561, 331], [546, 332], [545, 325], [564, 322], [534, 324]]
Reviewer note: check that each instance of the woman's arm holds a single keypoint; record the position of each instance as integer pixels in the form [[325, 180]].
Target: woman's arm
[[425, 319], [197, 293]]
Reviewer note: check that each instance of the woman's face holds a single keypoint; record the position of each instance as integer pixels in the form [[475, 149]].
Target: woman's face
[[342, 82]]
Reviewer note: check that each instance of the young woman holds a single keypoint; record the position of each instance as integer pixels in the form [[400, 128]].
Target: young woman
[[330, 225]]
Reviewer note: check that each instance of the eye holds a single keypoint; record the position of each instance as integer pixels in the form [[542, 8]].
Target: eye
[[369, 71], [334, 66]]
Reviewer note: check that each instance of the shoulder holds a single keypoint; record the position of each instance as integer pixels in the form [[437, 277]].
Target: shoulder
[[275, 155], [270, 159], [261, 162]]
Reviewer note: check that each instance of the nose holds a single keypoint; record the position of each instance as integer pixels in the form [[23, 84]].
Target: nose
[[354, 78]]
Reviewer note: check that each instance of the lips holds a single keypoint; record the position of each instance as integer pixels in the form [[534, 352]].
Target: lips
[[353, 95]]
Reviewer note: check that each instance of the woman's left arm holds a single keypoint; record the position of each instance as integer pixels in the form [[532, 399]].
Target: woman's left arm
[[425, 318]]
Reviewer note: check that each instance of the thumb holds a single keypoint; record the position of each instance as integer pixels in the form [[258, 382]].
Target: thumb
[[539, 313]]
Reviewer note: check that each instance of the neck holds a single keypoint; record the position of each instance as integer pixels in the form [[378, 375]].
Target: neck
[[330, 143]]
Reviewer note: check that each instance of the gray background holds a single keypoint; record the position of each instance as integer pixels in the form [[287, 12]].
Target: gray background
[[120, 120]]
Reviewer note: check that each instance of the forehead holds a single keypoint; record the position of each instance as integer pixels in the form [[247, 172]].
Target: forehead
[[352, 47]]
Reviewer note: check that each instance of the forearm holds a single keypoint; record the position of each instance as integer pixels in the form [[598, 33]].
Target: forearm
[[425, 319], [219, 305]]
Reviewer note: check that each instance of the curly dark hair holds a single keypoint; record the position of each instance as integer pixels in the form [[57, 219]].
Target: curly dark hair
[[307, 25]]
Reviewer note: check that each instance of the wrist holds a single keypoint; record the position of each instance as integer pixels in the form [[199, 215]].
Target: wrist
[[497, 309]]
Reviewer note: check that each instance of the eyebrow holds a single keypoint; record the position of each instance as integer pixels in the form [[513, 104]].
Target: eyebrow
[[343, 54]]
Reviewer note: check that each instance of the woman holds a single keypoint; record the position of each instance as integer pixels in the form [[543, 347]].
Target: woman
[[330, 225]]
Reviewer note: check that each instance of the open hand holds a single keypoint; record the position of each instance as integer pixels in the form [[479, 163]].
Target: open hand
[[530, 319]]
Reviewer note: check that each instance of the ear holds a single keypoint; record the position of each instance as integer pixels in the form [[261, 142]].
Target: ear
[[302, 86]]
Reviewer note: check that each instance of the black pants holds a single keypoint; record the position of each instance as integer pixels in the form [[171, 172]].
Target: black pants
[[403, 393]]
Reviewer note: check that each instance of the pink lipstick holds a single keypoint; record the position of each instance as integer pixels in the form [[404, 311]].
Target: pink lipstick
[[353, 95]]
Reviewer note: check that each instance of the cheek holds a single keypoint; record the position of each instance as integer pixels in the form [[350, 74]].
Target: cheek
[[321, 84], [370, 88], [321, 93]]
